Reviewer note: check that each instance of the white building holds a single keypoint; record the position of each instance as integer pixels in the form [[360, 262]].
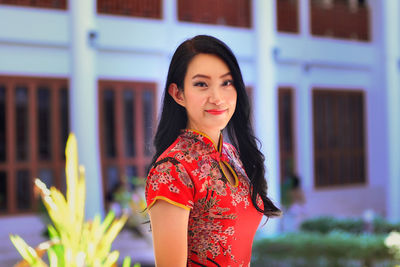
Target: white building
[[323, 75]]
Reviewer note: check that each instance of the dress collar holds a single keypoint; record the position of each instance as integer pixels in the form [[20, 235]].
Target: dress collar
[[206, 139], [216, 151]]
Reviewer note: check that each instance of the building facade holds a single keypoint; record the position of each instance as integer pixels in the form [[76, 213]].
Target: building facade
[[323, 77]]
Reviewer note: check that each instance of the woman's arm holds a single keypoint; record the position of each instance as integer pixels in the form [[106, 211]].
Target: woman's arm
[[169, 225]]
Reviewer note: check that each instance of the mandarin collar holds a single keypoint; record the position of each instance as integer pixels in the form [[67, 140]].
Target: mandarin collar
[[216, 151], [206, 139]]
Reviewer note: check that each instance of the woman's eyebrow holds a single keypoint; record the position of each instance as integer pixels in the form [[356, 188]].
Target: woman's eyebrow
[[208, 77], [226, 74], [201, 76]]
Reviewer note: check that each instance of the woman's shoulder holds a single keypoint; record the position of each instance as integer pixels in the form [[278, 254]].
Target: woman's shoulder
[[172, 155], [171, 151]]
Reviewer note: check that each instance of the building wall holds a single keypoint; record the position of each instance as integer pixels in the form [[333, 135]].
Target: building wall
[[36, 43], [303, 62]]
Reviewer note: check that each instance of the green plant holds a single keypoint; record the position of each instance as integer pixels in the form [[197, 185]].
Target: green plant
[[326, 224], [392, 241], [329, 249], [382, 226], [129, 197], [73, 242]]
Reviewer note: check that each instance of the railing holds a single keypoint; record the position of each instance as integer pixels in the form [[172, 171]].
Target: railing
[[235, 13], [340, 20], [54, 4], [132, 8]]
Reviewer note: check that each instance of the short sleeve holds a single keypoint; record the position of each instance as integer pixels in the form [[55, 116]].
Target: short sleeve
[[169, 181]]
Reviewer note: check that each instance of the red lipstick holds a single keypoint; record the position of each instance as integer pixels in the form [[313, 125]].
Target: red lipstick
[[216, 111]]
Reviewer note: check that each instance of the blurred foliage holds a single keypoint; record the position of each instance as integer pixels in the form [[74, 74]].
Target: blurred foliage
[[73, 242], [330, 241], [328, 224], [316, 249], [392, 241], [129, 198], [384, 227]]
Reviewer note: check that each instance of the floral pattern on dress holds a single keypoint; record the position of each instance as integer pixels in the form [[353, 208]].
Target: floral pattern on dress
[[189, 173]]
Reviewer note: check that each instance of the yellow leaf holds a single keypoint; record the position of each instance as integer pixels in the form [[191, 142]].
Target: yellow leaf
[[42, 186], [115, 228], [76, 242], [71, 169], [111, 259], [29, 255]]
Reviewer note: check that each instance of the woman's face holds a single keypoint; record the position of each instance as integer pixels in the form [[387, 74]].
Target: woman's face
[[208, 95]]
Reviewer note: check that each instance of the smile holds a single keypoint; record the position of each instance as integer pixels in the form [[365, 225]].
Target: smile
[[216, 111]]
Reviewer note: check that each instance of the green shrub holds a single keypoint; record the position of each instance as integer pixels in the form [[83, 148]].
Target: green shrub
[[327, 224], [382, 226], [328, 249]]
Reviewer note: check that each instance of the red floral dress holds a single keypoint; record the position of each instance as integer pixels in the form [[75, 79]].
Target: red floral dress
[[222, 220]]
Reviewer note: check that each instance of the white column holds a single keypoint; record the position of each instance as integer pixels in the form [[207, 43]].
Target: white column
[[266, 99], [303, 119], [391, 50], [83, 100], [170, 19], [170, 11], [304, 19]]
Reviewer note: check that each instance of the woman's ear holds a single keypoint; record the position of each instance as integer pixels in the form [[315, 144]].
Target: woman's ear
[[176, 94]]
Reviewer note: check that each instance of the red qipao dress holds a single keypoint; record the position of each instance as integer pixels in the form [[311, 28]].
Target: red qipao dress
[[222, 219]]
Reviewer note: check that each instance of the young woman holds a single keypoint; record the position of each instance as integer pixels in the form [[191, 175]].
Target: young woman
[[205, 197]]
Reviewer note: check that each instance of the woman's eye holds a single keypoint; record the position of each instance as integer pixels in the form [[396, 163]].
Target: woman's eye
[[200, 84], [227, 83]]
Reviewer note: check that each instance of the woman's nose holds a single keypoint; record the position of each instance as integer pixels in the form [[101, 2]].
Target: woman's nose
[[215, 96]]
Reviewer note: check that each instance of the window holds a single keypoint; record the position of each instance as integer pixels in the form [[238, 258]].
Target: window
[[286, 141], [287, 16], [55, 4], [133, 8], [34, 127], [224, 12], [353, 23], [339, 152], [127, 117]]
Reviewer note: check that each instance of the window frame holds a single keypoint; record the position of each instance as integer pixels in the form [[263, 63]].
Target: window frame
[[191, 12], [285, 10], [363, 151], [283, 155], [33, 164], [323, 23], [41, 4], [121, 161], [118, 10]]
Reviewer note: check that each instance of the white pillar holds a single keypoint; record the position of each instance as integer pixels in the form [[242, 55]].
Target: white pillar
[[303, 95], [83, 99], [170, 18], [391, 50], [304, 19], [266, 99]]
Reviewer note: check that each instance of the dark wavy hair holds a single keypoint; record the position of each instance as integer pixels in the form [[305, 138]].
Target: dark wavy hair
[[239, 129]]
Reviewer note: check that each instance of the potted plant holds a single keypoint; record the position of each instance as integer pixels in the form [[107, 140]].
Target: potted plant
[[73, 242]]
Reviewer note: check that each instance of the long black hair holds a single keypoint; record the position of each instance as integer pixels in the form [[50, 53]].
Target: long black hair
[[239, 129]]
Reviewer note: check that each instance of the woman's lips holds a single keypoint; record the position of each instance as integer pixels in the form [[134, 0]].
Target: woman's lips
[[216, 111]]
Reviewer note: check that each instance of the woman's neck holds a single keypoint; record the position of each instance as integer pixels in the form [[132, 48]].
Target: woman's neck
[[215, 138]]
